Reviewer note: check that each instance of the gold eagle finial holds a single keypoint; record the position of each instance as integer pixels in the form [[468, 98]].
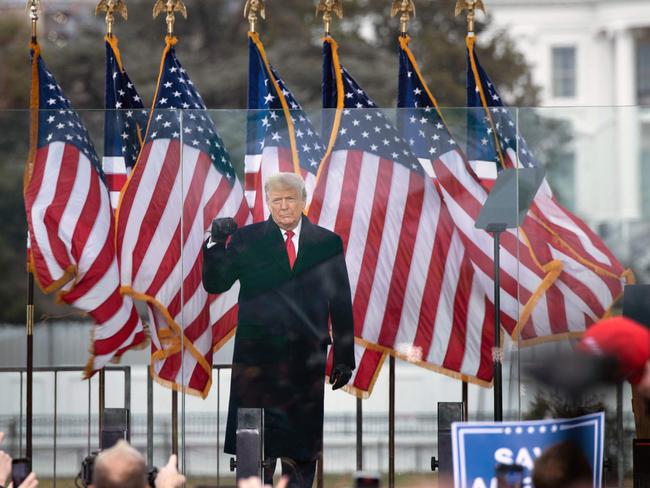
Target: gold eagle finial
[[327, 7], [251, 9], [406, 8], [110, 7], [33, 7], [471, 6], [169, 7]]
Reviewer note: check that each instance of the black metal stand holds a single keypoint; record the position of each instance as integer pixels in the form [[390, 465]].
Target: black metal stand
[[391, 422], [30, 364], [496, 230], [505, 208], [359, 434], [174, 422], [465, 400]]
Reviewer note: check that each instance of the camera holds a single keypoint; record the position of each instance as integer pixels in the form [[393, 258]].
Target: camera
[[20, 469], [152, 473], [85, 476]]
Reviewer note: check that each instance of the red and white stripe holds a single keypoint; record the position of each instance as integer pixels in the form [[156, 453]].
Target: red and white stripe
[[115, 175], [411, 279], [72, 246], [538, 273], [160, 247], [574, 232]]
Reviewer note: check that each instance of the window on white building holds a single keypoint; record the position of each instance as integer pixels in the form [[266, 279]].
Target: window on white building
[[643, 70], [564, 72]]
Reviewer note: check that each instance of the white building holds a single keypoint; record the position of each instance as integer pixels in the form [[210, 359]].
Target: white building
[[592, 57]]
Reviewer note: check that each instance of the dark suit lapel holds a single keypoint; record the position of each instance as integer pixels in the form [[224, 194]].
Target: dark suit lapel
[[277, 248], [305, 242]]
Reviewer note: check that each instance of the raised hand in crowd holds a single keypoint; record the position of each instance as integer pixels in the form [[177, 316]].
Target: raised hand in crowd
[[30, 482], [5, 465], [5, 470], [169, 477]]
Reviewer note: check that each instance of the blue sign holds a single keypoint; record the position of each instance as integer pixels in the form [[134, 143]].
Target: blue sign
[[479, 446]]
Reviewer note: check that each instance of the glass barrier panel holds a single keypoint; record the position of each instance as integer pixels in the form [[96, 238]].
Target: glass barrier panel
[[403, 189]]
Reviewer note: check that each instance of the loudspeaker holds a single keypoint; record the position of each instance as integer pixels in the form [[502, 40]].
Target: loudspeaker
[[116, 426], [641, 462], [636, 303], [448, 413], [250, 443]]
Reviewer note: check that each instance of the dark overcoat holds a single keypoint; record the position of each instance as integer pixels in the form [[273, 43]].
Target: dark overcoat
[[283, 332]]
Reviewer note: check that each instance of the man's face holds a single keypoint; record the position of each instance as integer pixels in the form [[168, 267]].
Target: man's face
[[286, 207], [643, 387]]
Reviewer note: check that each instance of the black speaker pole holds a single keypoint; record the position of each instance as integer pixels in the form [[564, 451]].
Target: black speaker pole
[[465, 399], [30, 363], [496, 230], [505, 208], [359, 434], [150, 420], [391, 422], [174, 422], [102, 404]]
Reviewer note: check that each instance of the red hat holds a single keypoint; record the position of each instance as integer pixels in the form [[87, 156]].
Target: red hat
[[623, 338]]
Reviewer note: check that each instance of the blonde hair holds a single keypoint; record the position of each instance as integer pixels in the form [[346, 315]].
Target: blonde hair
[[285, 181], [121, 466]]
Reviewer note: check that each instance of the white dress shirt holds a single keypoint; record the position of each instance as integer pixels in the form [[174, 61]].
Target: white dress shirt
[[296, 236]]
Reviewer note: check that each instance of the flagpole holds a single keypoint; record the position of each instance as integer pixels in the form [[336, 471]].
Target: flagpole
[[471, 6], [169, 7], [34, 8], [406, 8], [30, 362], [110, 7]]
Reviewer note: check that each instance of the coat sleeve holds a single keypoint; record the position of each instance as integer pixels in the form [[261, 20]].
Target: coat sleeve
[[341, 310], [221, 265]]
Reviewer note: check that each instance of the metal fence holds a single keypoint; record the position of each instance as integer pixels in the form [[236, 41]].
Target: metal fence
[[61, 440]]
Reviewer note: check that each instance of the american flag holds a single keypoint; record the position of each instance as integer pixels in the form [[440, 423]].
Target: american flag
[[523, 278], [71, 233], [590, 278], [406, 273], [182, 181], [124, 122], [422, 127], [281, 138]]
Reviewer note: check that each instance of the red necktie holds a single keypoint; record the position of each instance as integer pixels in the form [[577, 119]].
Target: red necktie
[[291, 249]]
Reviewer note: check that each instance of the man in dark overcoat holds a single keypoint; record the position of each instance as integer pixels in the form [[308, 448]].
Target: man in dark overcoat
[[293, 284]]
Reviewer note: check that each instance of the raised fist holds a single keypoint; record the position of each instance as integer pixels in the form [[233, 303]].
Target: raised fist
[[222, 228]]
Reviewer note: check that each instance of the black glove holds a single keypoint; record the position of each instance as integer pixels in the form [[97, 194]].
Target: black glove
[[221, 229], [341, 374]]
